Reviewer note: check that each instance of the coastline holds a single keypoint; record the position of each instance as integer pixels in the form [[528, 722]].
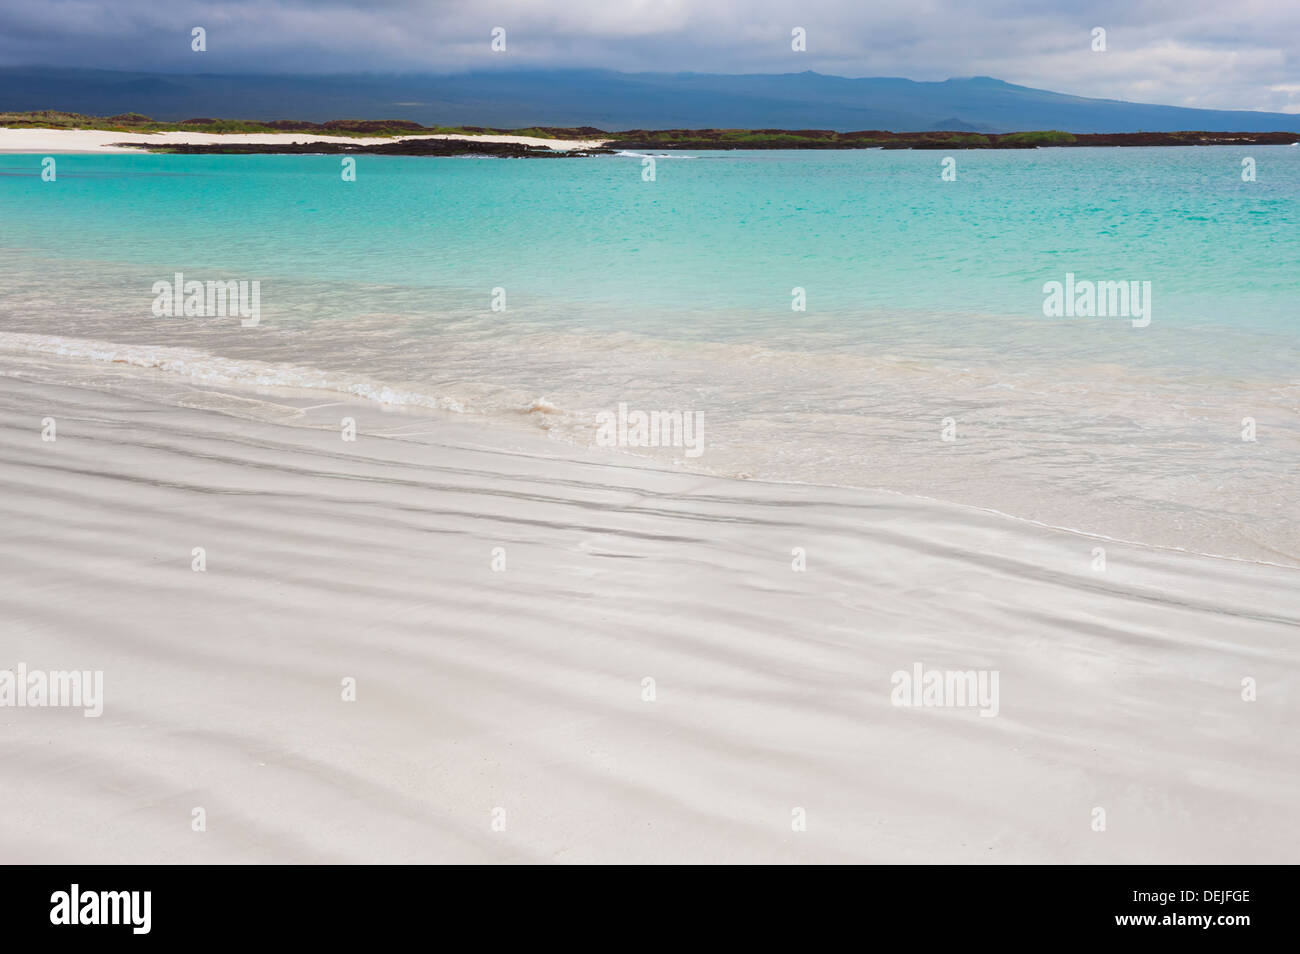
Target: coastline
[[24, 140], [522, 688], [1119, 497], [877, 444], [96, 141]]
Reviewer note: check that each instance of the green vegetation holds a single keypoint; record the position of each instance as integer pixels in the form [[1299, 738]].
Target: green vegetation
[[533, 131], [826, 139], [137, 123], [694, 139], [1050, 137]]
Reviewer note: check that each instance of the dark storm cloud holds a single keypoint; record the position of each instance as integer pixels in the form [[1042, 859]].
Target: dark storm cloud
[[1190, 53]]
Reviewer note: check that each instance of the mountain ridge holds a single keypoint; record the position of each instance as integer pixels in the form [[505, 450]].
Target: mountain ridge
[[613, 100]]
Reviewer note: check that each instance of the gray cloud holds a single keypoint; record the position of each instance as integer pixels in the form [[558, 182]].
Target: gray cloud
[[1185, 53]]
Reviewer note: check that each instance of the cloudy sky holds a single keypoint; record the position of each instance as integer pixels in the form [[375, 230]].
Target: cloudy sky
[[1243, 54]]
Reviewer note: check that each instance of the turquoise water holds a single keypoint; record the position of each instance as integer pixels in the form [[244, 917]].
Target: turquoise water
[[924, 302], [724, 231]]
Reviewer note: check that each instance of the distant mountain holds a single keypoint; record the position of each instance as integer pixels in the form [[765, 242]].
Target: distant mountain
[[614, 101]]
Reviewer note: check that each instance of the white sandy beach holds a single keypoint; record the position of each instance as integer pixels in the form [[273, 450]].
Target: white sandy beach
[[522, 689], [62, 141]]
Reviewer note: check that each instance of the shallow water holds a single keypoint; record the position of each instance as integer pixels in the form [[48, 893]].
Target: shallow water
[[924, 310]]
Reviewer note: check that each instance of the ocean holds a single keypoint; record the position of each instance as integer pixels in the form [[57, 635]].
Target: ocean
[[846, 318]]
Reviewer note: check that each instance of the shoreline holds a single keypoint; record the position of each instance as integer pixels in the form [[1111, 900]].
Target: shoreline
[[523, 688], [25, 140], [96, 141], [182, 375]]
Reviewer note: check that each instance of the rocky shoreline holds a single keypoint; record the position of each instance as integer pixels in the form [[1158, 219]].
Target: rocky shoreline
[[406, 138], [699, 140], [702, 139]]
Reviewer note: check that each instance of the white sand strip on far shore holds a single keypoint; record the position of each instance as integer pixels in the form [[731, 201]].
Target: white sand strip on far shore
[[523, 689], [54, 141]]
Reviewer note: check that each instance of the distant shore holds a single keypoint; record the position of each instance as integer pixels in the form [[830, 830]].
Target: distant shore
[[38, 140], [699, 139], [54, 132]]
